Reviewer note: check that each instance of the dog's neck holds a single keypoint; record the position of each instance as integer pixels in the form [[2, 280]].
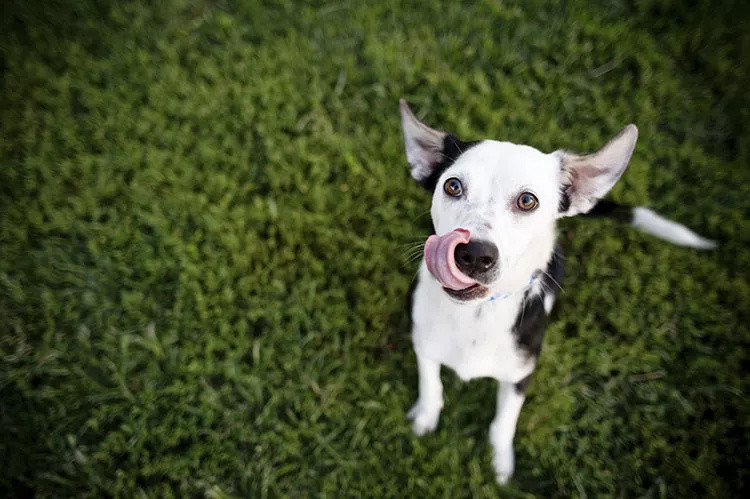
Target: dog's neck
[[504, 295]]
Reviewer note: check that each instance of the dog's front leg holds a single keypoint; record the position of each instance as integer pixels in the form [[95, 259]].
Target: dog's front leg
[[510, 397], [426, 411]]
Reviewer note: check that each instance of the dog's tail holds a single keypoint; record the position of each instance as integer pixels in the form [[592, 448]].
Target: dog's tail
[[650, 222]]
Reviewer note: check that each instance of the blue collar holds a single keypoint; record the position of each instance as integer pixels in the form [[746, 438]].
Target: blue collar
[[505, 296]]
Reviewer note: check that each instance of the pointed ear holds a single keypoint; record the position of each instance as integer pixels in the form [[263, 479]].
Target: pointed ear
[[424, 146], [587, 178]]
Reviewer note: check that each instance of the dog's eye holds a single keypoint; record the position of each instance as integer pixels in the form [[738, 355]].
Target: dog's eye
[[527, 201], [453, 187]]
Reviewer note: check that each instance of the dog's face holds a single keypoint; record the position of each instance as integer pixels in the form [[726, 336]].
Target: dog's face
[[495, 204], [507, 197]]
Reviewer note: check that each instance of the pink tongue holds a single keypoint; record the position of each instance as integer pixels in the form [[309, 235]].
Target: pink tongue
[[441, 262]]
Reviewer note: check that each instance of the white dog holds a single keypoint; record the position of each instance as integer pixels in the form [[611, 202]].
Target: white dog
[[491, 271]]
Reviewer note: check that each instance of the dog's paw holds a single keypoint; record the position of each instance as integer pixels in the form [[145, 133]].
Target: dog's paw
[[504, 463], [424, 418]]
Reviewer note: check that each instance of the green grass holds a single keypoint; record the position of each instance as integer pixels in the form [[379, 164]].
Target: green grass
[[204, 208]]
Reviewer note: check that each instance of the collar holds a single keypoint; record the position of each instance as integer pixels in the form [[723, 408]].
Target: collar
[[505, 296]]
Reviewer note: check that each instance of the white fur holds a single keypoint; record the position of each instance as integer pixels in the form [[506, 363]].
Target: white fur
[[426, 412], [503, 428], [493, 175], [474, 339], [656, 225], [549, 302]]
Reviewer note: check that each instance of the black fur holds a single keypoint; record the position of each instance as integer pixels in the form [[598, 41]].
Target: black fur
[[529, 326], [564, 204], [553, 279], [453, 147], [604, 208], [531, 319], [523, 385]]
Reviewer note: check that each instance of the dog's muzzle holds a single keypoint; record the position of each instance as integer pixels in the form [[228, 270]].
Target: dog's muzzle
[[461, 265]]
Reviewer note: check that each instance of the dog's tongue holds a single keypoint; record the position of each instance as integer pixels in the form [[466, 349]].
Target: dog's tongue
[[441, 262]]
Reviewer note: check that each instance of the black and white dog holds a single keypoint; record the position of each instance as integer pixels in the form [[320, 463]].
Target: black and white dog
[[491, 270]]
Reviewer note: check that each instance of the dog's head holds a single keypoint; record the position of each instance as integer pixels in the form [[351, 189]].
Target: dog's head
[[495, 204]]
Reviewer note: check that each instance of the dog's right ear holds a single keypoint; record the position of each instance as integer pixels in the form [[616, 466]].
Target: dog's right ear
[[424, 146]]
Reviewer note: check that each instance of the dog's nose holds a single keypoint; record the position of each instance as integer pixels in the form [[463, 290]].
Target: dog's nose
[[476, 258]]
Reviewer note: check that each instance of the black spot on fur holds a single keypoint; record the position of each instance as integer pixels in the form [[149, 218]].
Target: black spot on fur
[[564, 204], [532, 318], [453, 147], [523, 385], [553, 279], [529, 326], [605, 208]]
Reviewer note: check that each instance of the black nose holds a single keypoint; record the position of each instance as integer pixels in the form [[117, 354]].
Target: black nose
[[476, 258]]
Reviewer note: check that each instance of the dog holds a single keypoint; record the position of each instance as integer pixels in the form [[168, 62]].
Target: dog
[[492, 270]]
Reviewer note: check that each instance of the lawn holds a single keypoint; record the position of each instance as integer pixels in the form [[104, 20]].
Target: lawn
[[205, 223]]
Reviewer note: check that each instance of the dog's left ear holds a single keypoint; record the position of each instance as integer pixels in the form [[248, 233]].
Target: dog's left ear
[[424, 145], [587, 178]]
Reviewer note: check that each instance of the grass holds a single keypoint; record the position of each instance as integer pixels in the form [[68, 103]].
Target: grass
[[204, 208]]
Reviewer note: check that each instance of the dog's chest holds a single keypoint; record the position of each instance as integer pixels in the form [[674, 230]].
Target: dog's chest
[[475, 341]]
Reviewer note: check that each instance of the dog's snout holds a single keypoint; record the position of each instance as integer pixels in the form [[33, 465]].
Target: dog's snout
[[476, 258]]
